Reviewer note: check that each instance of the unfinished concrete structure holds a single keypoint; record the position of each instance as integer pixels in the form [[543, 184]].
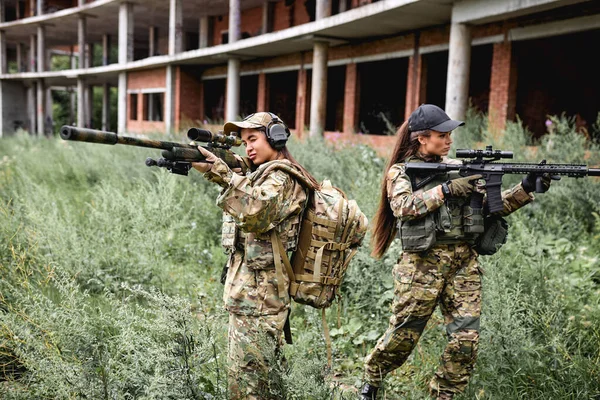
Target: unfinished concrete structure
[[338, 67]]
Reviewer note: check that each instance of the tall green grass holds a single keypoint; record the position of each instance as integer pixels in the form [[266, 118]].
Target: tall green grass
[[109, 280]]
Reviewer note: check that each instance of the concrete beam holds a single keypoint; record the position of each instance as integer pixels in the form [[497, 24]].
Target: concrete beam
[[41, 48], [125, 33], [170, 88], [232, 110], [81, 39], [318, 95], [175, 27], [234, 21], [459, 63]]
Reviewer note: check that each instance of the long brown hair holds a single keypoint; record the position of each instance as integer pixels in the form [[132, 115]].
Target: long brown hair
[[285, 153], [384, 225]]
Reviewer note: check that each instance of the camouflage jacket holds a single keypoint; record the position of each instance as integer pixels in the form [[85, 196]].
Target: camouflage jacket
[[253, 206], [407, 205]]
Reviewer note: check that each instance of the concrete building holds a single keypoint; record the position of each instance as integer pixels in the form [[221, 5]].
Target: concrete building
[[338, 67]]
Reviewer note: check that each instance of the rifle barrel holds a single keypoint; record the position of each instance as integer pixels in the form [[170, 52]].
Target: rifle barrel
[[97, 136]]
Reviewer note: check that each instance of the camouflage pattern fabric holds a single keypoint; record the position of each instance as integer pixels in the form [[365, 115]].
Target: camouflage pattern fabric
[[253, 355], [253, 206], [257, 206], [448, 275]]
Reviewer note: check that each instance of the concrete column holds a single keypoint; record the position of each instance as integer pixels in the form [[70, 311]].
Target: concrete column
[[351, 98], [175, 27], [122, 103], [31, 108], [3, 63], [203, 32], [343, 5], [262, 95], [265, 16], [170, 99], [41, 4], [81, 103], [459, 63], [3, 19], [72, 93], [323, 9], [41, 107], [21, 57], [301, 101], [32, 7], [318, 95], [105, 49], [41, 48], [234, 21], [80, 3], [125, 33], [125, 55], [32, 53], [89, 104], [81, 39], [89, 56], [232, 109], [152, 41]]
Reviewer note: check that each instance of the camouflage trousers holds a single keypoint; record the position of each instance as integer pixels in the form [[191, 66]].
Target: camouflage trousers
[[447, 275], [254, 356]]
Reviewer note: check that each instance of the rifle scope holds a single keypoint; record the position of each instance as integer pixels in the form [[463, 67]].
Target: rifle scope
[[487, 153], [206, 136]]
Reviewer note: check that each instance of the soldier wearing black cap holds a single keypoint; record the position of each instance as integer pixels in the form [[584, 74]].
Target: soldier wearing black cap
[[438, 264]]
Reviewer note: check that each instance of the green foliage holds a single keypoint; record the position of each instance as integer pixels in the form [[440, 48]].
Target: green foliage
[[110, 274]]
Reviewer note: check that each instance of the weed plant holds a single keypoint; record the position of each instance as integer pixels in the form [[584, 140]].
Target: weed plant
[[110, 280]]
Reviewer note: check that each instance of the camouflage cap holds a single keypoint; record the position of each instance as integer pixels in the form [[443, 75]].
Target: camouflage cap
[[253, 121]]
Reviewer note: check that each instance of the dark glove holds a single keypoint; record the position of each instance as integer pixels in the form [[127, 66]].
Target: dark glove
[[462, 187], [540, 183]]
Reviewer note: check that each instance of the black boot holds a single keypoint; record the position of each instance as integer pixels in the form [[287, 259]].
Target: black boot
[[368, 392]]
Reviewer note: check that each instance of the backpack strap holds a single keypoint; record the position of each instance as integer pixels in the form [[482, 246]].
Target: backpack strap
[[279, 254]]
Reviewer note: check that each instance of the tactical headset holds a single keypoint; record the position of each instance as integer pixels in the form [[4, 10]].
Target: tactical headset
[[277, 132]]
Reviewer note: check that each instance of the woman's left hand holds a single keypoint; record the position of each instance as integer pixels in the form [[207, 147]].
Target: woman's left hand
[[209, 160]]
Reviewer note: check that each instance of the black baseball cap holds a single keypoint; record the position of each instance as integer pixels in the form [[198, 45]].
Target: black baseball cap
[[429, 116]]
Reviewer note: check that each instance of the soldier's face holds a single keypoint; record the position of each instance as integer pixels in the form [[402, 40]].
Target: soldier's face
[[436, 144], [258, 148]]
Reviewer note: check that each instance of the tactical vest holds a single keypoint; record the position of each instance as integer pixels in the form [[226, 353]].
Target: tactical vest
[[446, 225]]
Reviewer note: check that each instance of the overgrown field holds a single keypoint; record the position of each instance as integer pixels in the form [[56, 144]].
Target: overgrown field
[[109, 280]]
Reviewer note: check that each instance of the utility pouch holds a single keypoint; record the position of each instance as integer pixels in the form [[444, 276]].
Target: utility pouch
[[417, 235], [493, 237]]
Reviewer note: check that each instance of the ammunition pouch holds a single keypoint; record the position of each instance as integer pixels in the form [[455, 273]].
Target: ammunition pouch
[[418, 235], [493, 237]]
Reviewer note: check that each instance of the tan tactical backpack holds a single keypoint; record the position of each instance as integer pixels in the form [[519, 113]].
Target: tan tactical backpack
[[331, 231]]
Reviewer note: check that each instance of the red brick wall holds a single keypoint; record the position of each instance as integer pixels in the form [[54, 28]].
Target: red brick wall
[[351, 99], [502, 87], [150, 78], [189, 105], [251, 21]]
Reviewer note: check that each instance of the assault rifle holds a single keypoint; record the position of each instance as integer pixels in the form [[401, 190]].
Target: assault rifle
[[177, 158], [482, 162]]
